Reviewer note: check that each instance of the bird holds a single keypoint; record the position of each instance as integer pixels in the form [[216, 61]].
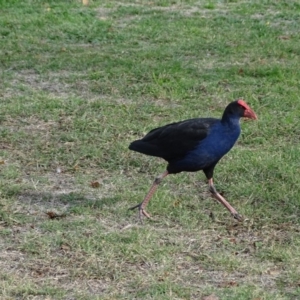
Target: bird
[[193, 145]]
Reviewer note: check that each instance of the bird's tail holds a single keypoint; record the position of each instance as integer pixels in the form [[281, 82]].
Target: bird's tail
[[145, 148]]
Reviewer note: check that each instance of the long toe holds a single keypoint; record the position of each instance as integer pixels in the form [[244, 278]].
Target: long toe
[[238, 217], [134, 207], [144, 213]]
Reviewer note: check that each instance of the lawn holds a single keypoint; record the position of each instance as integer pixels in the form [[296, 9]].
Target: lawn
[[79, 83]]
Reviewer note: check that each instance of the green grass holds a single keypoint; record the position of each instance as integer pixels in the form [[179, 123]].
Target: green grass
[[79, 83]]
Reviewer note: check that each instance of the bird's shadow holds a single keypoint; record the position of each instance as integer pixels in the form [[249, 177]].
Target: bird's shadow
[[70, 201]]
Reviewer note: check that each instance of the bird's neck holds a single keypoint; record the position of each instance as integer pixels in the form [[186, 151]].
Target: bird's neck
[[231, 120]]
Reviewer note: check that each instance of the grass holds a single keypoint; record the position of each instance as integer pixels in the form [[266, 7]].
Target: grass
[[79, 83]]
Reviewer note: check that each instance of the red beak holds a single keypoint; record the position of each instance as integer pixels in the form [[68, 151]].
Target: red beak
[[250, 114]]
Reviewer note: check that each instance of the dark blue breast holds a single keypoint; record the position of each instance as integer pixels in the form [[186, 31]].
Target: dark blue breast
[[209, 151]]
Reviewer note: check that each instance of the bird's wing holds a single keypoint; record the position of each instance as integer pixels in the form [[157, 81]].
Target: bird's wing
[[174, 140]]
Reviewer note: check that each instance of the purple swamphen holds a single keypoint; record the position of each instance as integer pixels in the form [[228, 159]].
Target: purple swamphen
[[193, 145]]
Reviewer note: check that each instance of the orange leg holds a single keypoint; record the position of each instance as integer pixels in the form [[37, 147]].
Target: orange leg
[[223, 201], [141, 206]]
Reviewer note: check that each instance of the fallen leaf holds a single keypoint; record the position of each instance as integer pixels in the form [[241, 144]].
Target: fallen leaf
[[51, 214], [95, 184], [232, 240], [176, 203], [2, 162], [284, 37], [85, 2], [54, 215], [65, 247]]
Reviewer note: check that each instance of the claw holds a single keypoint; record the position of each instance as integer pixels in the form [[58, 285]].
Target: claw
[[238, 217], [141, 206], [142, 212]]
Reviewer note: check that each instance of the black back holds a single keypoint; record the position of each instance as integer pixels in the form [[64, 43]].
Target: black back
[[173, 141]]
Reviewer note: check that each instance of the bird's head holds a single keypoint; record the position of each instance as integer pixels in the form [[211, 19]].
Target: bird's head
[[239, 108]]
